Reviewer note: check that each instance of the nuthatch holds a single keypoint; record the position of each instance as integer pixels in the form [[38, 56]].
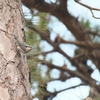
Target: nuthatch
[[22, 46]]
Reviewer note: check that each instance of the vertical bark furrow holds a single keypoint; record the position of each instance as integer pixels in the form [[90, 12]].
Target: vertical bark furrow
[[14, 71]]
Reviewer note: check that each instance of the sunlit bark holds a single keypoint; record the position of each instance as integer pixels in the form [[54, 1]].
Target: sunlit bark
[[14, 71]]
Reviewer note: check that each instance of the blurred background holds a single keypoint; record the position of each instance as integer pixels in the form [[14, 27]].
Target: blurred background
[[65, 60]]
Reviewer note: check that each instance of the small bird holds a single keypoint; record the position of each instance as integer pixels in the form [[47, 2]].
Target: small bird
[[22, 46]]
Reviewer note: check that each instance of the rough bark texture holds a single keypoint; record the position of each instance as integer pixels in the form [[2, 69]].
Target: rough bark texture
[[14, 71]]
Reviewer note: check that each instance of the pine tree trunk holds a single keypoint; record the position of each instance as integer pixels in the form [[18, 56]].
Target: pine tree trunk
[[14, 71]]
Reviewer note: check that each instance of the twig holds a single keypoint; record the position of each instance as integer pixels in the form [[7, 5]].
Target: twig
[[93, 33], [73, 73], [69, 88], [39, 53], [89, 7], [77, 43]]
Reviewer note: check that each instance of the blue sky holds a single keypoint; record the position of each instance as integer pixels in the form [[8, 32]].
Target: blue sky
[[81, 12]]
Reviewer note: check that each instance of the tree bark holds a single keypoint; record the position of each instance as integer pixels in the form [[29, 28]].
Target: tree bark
[[14, 71]]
